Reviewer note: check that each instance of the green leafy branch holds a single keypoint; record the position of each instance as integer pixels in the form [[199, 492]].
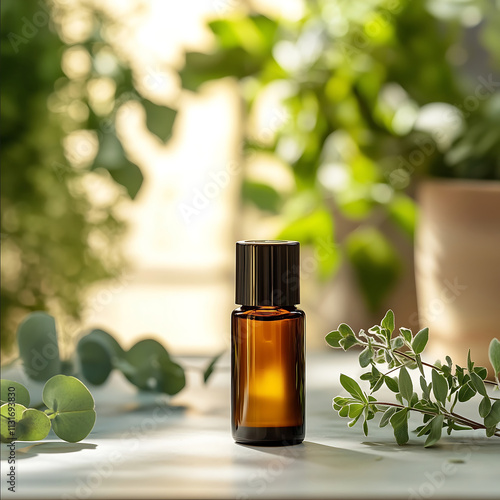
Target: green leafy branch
[[70, 405], [147, 364], [70, 411], [448, 385]]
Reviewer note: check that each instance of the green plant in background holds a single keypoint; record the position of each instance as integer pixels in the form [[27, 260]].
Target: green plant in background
[[70, 411], [352, 78], [447, 385], [55, 241]]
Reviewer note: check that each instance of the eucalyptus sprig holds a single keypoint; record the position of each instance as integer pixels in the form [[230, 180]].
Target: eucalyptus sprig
[[70, 411], [147, 364], [448, 385]]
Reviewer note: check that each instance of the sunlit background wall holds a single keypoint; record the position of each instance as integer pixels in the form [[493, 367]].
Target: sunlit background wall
[[142, 138]]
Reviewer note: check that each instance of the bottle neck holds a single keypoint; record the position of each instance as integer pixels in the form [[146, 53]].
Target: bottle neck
[[268, 308]]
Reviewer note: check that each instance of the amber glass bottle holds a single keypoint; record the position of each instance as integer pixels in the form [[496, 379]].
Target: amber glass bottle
[[267, 344]]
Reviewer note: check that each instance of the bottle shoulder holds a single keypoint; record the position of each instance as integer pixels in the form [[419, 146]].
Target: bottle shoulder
[[268, 312]]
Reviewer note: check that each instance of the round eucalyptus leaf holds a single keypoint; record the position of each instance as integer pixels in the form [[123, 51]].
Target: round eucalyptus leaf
[[98, 352], [38, 347], [173, 378], [33, 426], [144, 363], [18, 423], [72, 406], [149, 366], [10, 414], [15, 390]]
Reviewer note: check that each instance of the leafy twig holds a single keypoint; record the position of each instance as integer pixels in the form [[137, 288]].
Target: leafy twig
[[449, 383]]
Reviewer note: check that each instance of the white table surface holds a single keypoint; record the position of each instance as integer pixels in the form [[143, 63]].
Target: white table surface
[[142, 447]]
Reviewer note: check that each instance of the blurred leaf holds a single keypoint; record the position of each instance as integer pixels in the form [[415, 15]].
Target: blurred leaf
[[375, 263], [38, 346], [200, 68], [96, 352], [71, 406], [159, 119], [255, 33], [111, 157], [148, 366], [14, 390], [494, 355], [316, 229], [210, 367], [403, 211], [129, 176], [261, 195]]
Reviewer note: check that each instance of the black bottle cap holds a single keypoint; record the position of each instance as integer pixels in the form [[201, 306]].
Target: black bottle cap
[[267, 273]]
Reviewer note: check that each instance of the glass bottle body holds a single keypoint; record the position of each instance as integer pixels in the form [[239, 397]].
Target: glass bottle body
[[268, 375]]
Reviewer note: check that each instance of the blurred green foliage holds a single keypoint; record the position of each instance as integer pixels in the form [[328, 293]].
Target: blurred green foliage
[[354, 76], [55, 240]]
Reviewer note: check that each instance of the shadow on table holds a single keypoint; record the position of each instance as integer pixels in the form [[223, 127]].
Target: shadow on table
[[136, 419], [453, 445], [320, 454], [58, 447]]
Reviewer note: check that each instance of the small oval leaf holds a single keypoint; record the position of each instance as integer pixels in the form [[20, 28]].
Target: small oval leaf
[[73, 406], [494, 355], [38, 347], [420, 341], [13, 392], [439, 387], [333, 339], [405, 384]]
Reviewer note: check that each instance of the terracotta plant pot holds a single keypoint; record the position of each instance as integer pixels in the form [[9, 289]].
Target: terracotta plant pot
[[457, 266]]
